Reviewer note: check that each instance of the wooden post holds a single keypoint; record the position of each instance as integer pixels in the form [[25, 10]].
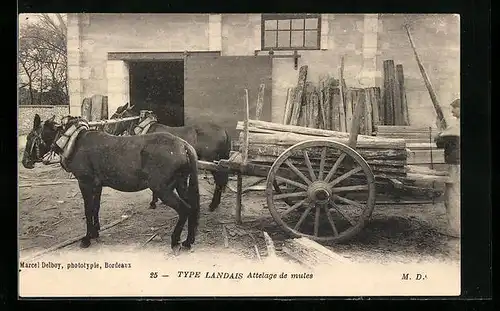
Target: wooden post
[[244, 159], [343, 121]]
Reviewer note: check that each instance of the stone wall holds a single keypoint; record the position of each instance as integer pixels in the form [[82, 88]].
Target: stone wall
[[26, 114]]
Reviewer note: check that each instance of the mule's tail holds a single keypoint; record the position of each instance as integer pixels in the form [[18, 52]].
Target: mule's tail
[[193, 187]]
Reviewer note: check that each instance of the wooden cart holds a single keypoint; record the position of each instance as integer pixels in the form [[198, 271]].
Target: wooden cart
[[322, 179]]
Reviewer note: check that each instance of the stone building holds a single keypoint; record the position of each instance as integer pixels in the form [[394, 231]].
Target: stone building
[[189, 66]]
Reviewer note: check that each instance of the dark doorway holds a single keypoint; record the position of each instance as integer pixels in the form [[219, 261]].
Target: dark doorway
[[159, 86]]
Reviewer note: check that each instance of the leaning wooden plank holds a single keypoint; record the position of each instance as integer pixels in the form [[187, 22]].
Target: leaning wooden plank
[[260, 102], [289, 105], [313, 132], [368, 112], [75, 239], [311, 253], [315, 113], [402, 93], [342, 92], [335, 103], [348, 108], [297, 100], [355, 125], [375, 100]]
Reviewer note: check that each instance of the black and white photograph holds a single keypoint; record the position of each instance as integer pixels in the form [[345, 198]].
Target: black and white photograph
[[202, 155]]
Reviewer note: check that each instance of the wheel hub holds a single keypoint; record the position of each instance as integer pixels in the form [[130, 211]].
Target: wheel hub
[[320, 192]]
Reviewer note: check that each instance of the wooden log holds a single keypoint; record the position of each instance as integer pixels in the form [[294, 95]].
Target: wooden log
[[280, 128], [297, 100], [403, 129], [289, 139], [260, 102], [86, 109], [424, 170], [368, 112], [289, 105], [268, 155], [388, 93], [312, 254], [348, 109], [322, 107], [402, 93], [335, 104], [374, 93], [355, 125]]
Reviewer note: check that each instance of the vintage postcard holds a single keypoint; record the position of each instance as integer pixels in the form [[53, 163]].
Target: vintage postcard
[[238, 155]]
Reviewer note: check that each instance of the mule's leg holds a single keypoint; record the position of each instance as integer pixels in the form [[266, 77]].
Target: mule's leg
[[87, 193], [97, 206], [221, 180], [193, 218], [171, 199], [154, 199]]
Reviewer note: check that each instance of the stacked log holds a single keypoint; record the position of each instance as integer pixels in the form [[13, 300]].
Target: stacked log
[[386, 157], [95, 108], [419, 141], [394, 109]]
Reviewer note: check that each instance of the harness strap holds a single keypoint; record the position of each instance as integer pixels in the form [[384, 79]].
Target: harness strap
[[67, 141], [143, 126]]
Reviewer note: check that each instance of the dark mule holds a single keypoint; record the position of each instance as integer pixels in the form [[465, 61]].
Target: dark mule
[[212, 143], [161, 162]]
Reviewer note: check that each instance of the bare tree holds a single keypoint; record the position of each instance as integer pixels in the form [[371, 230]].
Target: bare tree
[[43, 59]]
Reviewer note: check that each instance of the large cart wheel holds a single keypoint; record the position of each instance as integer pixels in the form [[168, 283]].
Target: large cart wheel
[[330, 186]]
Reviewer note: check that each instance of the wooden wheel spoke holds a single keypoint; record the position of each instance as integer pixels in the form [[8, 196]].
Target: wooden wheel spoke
[[335, 167], [330, 220], [298, 172], [345, 175], [350, 188], [316, 221], [302, 218], [309, 166], [294, 207], [349, 219], [348, 201], [322, 164], [291, 195], [291, 182]]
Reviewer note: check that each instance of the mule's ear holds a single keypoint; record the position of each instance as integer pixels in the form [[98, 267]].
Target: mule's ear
[[37, 121], [52, 119]]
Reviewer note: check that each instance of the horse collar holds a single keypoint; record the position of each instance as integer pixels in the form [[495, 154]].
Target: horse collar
[[67, 141], [144, 125]]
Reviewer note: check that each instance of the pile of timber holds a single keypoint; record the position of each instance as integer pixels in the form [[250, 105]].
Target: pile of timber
[[95, 108], [393, 108], [422, 149], [330, 104], [266, 141]]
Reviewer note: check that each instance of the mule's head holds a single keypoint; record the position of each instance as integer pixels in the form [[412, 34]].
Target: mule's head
[[39, 140], [124, 111]]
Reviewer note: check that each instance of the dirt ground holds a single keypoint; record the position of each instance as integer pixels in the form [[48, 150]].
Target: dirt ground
[[51, 211]]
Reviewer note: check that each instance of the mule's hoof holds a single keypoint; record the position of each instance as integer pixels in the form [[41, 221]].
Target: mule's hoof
[[94, 235], [152, 206], [212, 208], [176, 249], [186, 245], [85, 242]]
